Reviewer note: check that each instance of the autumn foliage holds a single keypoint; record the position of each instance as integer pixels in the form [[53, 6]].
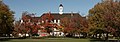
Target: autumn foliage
[[105, 16], [74, 25], [6, 20]]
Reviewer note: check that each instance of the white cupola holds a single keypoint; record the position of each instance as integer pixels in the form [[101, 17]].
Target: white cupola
[[61, 9]]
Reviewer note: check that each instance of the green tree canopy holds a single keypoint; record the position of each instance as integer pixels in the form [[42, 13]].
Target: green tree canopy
[[6, 19], [105, 16]]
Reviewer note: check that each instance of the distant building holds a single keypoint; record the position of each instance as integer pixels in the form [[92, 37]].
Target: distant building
[[54, 19]]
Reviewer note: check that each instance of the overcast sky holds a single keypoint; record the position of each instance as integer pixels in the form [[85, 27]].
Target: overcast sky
[[41, 6]]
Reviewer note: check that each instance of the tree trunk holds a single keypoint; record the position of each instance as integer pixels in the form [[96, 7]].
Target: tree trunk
[[95, 35], [99, 36], [106, 38]]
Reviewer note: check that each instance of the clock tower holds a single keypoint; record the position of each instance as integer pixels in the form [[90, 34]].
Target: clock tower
[[60, 9]]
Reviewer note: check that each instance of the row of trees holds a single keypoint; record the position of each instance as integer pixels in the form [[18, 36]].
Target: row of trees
[[103, 18]]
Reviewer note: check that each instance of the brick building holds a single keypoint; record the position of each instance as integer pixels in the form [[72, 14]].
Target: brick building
[[49, 20]]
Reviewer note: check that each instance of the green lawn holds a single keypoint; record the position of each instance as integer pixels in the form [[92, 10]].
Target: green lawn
[[49, 40], [56, 40]]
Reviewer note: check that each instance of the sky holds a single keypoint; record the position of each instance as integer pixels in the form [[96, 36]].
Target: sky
[[42, 6]]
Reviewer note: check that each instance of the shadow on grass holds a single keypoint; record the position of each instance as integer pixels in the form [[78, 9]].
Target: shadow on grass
[[4, 39], [99, 40], [8, 39]]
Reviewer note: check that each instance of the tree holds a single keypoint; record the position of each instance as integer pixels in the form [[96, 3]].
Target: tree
[[104, 17], [48, 25], [6, 20], [74, 25]]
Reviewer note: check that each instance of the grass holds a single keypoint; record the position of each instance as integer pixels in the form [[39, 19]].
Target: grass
[[49, 40], [58, 40]]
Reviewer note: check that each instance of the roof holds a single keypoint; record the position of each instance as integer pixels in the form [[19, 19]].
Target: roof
[[61, 5], [58, 16], [37, 18]]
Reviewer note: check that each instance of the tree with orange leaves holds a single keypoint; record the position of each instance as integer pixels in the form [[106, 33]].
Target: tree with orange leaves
[[47, 18], [74, 25]]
